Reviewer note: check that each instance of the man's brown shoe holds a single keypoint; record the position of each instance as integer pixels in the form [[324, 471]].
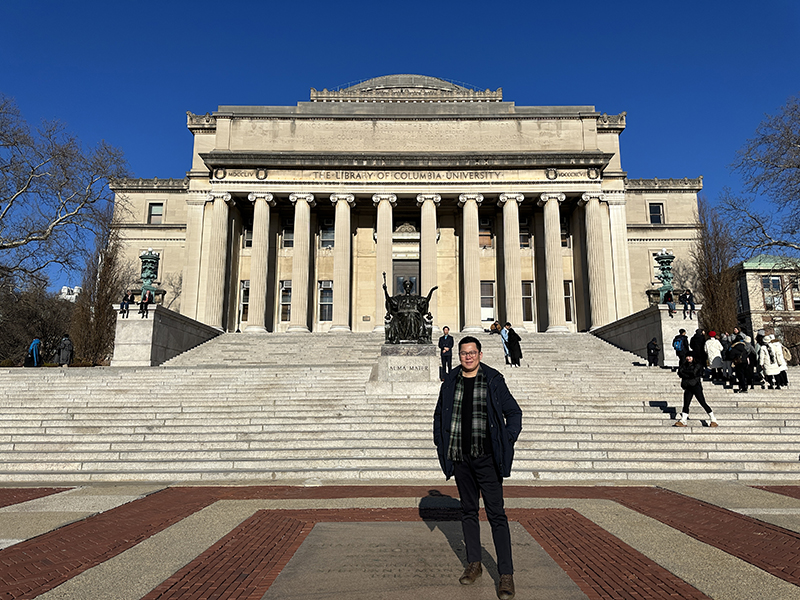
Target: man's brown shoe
[[505, 590], [471, 573]]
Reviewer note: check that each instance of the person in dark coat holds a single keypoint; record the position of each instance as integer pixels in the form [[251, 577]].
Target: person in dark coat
[[144, 305], [681, 345], [670, 302], [739, 359], [65, 351], [653, 350], [698, 346], [475, 425], [512, 340], [691, 374], [446, 343], [125, 305], [687, 299]]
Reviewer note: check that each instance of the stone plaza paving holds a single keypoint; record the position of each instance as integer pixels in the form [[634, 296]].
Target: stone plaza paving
[[689, 539]]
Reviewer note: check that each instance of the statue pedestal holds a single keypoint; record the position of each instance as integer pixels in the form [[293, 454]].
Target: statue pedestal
[[405, 370]]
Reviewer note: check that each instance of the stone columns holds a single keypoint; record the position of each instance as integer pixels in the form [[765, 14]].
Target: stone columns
[[471, 264], [259, 259], [512, 264], [300, 261], [554, 263], [217, 258], [598, 293], [427, 249], [341, 262], [619, 253], [383, 254]]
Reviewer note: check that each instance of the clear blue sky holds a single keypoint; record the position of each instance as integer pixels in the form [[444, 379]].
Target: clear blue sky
[[695, 78]]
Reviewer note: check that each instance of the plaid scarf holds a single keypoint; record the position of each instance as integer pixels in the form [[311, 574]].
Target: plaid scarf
[[480, 418]]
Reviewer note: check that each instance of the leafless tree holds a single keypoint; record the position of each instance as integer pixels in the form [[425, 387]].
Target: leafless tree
[[713, 258], [53, 194], [174, 283], [769, 165], [93, 325]]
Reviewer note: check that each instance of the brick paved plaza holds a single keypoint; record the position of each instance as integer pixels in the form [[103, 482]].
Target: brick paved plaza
[[699, 539]]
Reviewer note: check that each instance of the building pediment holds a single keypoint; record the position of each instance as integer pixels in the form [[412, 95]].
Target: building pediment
[[406, 88]]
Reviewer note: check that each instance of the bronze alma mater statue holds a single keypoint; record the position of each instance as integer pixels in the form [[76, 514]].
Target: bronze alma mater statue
[[408, 319]]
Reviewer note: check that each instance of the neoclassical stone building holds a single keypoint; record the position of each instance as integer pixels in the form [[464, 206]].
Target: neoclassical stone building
[[290, 215]]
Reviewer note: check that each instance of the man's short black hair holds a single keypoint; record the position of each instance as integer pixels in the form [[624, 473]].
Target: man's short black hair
[[470, 340], [682, 331]]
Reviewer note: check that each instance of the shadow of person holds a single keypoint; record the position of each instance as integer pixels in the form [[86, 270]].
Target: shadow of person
[[441, 511]]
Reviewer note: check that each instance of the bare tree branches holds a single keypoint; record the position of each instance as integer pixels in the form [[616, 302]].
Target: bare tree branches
[[769, 164], [713, 258], [53, 194]]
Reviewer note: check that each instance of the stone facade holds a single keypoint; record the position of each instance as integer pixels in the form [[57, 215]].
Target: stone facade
[[289, 216], [768, 296]]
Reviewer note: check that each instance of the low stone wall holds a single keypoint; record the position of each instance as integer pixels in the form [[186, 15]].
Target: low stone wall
[[633, 332], [150, 342]]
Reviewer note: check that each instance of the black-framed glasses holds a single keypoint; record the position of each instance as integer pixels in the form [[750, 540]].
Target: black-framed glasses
[[470, 354]]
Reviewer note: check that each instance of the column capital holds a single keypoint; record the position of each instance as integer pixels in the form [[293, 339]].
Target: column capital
[[378, 198], [224, 196], [293, 198], [253, 196], [615, 198], [349, 198], [588, 196], [464, 198], [510, 197], [545, 198], [422, 198]]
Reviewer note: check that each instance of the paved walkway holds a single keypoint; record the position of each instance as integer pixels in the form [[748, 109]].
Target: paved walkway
[[695, 540]]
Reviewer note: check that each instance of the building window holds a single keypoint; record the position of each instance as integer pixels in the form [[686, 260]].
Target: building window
[[287, 234], [485, 233], [326, 300], [286, 300], [155, 213], [796, 294], [656, 213], [773, 293], [524, 234], [326, 234], [487, 300], [527, 301], [568, 306], [244, 302], [247, 238]]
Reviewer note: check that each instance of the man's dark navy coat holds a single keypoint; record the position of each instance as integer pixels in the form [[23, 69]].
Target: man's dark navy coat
[[505, 419]]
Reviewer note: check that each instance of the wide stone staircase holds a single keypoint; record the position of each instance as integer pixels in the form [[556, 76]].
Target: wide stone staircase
[[294, 408]]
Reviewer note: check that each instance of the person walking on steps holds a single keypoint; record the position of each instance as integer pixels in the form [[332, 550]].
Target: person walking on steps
[[681, 345], [691, 374], [653, 350]]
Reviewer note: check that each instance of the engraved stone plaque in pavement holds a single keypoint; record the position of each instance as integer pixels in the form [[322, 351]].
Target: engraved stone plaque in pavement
[[399, 561]]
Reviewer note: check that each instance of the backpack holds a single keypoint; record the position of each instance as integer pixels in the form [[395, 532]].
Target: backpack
[[678, 344]]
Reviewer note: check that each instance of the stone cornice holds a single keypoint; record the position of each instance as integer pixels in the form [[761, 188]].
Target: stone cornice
[[664, 185], [166, 185], [444, 160], [613, 123], [206, 123]]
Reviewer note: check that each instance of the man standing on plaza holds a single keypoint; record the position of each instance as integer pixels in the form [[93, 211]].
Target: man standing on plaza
[[446, 344], [475, 425]]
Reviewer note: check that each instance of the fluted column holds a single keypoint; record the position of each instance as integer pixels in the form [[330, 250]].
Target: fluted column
[[598, 296], [341, 262], [217, 258], [427, 249], [619, 253], [300, 261], [554, 263], [383, 254], [471, 265], [259, 258], [512, 262]]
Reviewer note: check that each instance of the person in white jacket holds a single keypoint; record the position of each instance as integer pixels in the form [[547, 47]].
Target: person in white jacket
[[714, 353], [770, 357], [783, 376]]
